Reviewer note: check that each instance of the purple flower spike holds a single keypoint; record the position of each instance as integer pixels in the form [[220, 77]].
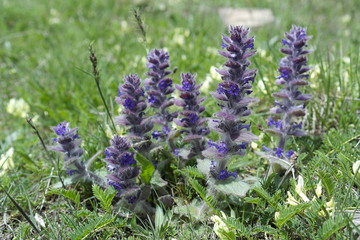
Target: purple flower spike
[[133, 99], [68, 142], [190, 118], [290, 101], [232, 93], [122, 165], [293, 75], [159, 86]]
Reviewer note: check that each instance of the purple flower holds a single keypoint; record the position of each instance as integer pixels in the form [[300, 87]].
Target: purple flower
[[289, 153], [290, 100], [133, 99], [176, 152], [159, 86], [266, 149], [191, 118], [122, 165], [232, 93], [61, 129], [221, 174], [68, 142], [129, 103], [70, 172], [243, 145], [224, 174], [220, 147], [187, 85], [152, 99], [277, 124], [156, 134], [279, 152]]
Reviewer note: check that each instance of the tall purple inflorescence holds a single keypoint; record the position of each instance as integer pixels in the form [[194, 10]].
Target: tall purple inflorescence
[[191, 119], [232, 93], [293, 74], [131, 97], [122, 165], [68, 142], [159, 87]]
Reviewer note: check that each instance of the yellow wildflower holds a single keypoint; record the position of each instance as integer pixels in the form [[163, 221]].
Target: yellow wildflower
[[18, 107]]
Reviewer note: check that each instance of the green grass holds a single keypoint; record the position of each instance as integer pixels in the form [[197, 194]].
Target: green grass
[[44, 60]]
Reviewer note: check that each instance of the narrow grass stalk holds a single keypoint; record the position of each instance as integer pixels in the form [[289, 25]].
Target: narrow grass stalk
[[29, 121], [141, 26], [96, 76], [22, 211]]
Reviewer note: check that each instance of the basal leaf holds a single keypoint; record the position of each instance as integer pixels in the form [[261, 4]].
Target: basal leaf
[[237, 187], [147, 168]]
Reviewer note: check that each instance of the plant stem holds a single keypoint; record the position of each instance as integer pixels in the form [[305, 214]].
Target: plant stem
[[96, 75]]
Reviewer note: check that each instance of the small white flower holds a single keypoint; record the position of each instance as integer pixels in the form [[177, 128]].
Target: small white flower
[[220, 226], [291, 200], [299, 189], [18, 107], [109, 132], [214, 74], [356, 168], [315, 71], [318, 189], [6, 160], [255, 146], [39, 220], [261, 85], [277, 215]]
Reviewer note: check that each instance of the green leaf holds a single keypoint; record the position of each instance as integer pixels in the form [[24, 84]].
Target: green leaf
[[157, 181], [331, 226], [236, 187], [192, 210], [105, 197], [147, 168], [327, 181], [67, 181], [262, 193], [204, 166], [159, 217], [202, 192], [71, 194], [83, 231], [287, 213], [192, 172], [238, 226], [256, 201]]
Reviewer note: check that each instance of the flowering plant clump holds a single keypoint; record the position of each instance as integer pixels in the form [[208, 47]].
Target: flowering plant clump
[[131, 96], [122, 165], [159, 87], [232, 94], [142, 172], [291, 101], [191, 120]]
